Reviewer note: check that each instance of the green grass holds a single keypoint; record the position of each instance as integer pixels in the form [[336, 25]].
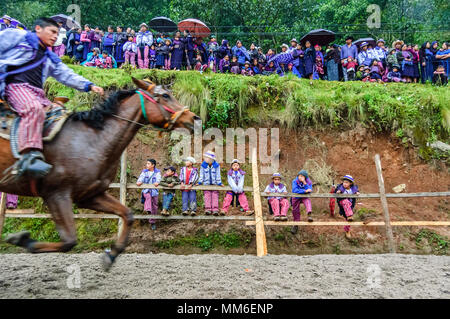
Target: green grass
[[438, 244], [208, 241]]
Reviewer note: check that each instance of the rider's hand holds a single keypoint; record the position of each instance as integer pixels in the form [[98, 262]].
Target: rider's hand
[[97, 89]]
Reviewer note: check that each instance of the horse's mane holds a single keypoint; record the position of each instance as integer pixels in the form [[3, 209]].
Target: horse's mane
[[96, 117]]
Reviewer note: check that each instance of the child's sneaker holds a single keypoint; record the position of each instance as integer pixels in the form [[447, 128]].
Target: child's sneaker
[[310, 218], [153, 226], [185, 213], [193, 213], [222, 213], [350, 218], [249, 213], [276, 218], [215, 213], [283, 218], [207, 212], [348, 235], [164, 212]]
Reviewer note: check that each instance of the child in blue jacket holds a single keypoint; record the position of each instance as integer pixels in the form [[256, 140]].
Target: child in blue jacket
[[210, 175], [301, 185]]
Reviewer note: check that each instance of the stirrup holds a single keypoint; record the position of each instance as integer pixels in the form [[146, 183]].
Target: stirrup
[[33, 165]]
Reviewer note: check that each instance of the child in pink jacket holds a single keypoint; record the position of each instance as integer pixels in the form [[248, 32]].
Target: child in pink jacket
[[236, 181], [280, 205]]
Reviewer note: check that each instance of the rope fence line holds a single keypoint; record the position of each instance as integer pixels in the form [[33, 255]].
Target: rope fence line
[[258, 221]]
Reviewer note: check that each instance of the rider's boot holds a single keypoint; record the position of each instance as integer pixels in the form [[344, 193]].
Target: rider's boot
[[33, 165]]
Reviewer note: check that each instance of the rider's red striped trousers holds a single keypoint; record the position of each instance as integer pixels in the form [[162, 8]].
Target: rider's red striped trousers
[[29, 102]]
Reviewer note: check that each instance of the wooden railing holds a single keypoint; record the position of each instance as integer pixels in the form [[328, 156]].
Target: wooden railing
[[257, 220]]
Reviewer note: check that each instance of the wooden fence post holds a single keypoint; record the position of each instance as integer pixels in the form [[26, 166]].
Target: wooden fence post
[[123, 184], [2, 212], [261, 244], [387, 219]]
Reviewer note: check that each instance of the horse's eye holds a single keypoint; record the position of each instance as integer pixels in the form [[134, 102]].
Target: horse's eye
[[166, 96]]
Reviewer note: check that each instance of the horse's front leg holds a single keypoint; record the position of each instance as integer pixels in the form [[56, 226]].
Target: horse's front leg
[[60, 206], [108, 204]]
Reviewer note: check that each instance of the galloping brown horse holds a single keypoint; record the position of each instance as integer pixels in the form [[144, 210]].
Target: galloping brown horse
[[85, 156]]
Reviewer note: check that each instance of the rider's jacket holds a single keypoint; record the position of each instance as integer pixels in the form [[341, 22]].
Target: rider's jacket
[[18, 47]]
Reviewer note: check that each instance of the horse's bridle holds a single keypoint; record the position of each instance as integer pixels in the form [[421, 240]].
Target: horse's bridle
[[170, 121]]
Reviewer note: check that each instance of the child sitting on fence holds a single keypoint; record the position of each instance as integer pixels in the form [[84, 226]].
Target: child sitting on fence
[[210, 175], [170, 179], [188, 178], [280, 205], [346, 205], [149, 197], [235, 178], [301, 185]]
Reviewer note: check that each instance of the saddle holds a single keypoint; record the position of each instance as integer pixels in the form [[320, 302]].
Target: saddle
[[54, 121]]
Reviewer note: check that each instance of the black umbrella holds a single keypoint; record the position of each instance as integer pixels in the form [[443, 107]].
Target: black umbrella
[[320, 36], [68, 22], [368, 40], [163, 24]]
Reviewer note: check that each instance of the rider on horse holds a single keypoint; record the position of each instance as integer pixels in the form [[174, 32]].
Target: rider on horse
[[25, 63]]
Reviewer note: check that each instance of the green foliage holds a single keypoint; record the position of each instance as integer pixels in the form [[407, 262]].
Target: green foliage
[[439, 244], [219, 115]]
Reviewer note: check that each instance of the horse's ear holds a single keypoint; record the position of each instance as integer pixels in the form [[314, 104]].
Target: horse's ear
[[146, 85]]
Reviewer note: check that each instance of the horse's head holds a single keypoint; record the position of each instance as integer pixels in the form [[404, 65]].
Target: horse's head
[[162, 109]]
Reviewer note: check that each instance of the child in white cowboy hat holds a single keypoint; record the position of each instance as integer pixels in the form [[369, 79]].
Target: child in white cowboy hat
[[280, 205], [189, 177], [235, 178], [210, 175], [346, 205]]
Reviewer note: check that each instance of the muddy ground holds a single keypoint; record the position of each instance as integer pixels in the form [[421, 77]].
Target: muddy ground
[[225, 276]]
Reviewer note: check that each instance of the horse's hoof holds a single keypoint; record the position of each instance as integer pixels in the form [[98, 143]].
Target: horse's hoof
[[107, 260], [18, 239]]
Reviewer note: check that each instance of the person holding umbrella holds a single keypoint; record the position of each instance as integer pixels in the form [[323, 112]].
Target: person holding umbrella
[[144, 40], [348, 49]]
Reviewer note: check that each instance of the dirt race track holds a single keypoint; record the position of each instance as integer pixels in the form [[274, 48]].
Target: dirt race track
[[225, 276]]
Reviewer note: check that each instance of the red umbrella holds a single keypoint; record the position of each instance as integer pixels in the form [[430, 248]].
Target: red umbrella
[[196, 27]]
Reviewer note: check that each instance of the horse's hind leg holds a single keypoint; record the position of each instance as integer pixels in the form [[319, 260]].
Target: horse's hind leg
[[61, 208], [108, 204]]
